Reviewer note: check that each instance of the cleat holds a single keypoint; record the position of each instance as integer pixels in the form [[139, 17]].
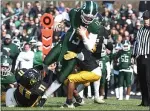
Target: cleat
[[79, 103], [99, 100], [138, 94], [67, 106], [42, 102], [120, 99]]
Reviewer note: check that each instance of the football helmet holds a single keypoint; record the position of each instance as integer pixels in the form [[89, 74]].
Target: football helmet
[[118, 47], [16, 41], [89, 12], [126, 45], [6, 65], [31, 77]]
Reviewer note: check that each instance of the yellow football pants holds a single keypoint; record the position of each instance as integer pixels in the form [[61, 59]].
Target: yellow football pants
[[82, 77]]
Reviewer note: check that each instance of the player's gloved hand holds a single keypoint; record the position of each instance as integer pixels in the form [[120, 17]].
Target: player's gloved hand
[[108, 77], [94, 49], [70, 55]]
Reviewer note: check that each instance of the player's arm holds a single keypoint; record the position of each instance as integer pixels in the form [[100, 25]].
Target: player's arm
[[89, 40]]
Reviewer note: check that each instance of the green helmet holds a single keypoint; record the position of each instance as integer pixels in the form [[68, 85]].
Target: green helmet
[[89, 12], [6, 65], [126, 45]]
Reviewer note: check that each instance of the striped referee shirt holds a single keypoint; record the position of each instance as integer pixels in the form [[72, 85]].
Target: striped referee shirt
[[142, 43]]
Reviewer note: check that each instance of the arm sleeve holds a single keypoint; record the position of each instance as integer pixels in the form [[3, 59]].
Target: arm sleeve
[[108, 67]]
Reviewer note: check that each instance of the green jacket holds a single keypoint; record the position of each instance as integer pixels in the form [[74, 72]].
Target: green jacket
[[38, 58], [12, 49]]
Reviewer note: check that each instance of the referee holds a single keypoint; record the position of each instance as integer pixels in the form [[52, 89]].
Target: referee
[[142, 52]]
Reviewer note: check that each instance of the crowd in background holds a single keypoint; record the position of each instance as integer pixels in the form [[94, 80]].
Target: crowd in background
[[21, 34]]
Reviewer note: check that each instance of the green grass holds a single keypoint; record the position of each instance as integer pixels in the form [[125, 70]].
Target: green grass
[[111, 104]]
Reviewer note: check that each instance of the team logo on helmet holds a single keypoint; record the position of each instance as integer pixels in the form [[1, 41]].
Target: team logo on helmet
[[126, 45], [89, 12]]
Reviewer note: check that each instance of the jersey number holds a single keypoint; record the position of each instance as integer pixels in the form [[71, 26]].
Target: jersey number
[[124, 58], [26, 93]]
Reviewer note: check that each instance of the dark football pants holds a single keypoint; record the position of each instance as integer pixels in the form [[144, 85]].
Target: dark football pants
[[103, 79], [125, 77], [143, 68], [116, 81]]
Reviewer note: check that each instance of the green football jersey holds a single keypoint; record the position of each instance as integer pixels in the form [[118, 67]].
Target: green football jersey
[[72, 41], [124, 59], [103, 61]]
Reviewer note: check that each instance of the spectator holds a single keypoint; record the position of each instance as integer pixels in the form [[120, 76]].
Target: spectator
[[35, 10], [27, 9], [25, 58], [12, 49], [143, 6], [129, 10], [38, 57], [18, 9], [109, 5], [61, 7]]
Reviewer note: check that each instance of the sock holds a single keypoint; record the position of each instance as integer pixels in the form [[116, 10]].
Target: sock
[[54, 86], [89, 91], [127, 97], [117, 92], [80, 87], [96, 88], [69, 101], [81, 94], [120, 92]]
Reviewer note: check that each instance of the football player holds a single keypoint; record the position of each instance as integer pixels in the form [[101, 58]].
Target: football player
[[30, 88], [117, 47], [125, 72], [7, 77], [82, 21], [104, 63]]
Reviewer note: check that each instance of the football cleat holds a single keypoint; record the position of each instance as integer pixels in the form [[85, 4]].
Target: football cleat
[[99, 100], [68, 106], [120, 99], [79, 103], [42, 102]]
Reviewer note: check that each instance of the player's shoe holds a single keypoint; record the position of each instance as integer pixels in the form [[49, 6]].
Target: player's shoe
[[79, 102], [68, 106], [99, 100], [127, 97], [138, 94], [120, 99], [42, 102]]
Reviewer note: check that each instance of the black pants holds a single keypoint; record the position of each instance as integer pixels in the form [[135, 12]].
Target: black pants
[[143, 68]]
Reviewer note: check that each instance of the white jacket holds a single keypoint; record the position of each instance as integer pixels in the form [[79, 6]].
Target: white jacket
[[25, 59]]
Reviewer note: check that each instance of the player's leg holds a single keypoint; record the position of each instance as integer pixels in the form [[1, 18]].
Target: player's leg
[[116, 85], [82, 78], [128, 84], [66, 69], [53, 55], [10, 100], [102, 84], [121, 81]]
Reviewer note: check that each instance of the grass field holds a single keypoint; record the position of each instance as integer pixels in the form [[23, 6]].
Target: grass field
[[111, 104]]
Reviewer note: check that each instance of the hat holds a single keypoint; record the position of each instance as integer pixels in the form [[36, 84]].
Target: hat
[[39, 43], [146, 15], [8, 36]]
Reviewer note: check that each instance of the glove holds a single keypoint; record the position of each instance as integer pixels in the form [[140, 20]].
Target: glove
[[70, 55], [108, 77], [94, 49]]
